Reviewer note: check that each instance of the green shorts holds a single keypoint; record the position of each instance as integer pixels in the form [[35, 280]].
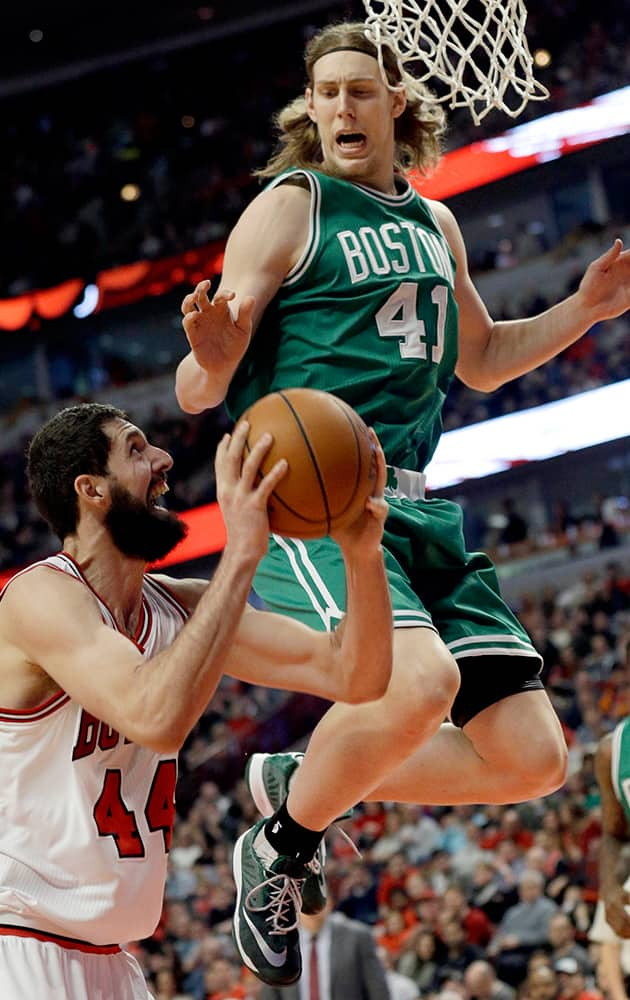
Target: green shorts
[[434, 582]]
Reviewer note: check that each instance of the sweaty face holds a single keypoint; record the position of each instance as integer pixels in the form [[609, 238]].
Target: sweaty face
[[142, 530], [354, 112]]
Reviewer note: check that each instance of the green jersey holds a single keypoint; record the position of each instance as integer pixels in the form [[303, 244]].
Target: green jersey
[[620, 764], [367, 313]]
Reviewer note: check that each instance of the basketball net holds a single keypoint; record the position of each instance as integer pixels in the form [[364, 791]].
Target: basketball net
[[476, 48]]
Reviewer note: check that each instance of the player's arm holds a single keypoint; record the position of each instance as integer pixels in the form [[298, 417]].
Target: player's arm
[[612, 979], [492, 353], [55, 624], [265, 244], [273, 650], [615, 836], [353, 663]]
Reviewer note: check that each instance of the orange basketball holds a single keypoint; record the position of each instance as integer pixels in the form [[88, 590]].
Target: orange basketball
[[332, 467]]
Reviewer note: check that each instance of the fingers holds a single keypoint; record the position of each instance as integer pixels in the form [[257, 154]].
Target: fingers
[[381, 464], [246, 467], [251, 469], [221, 299], [198, 300], [229, 453], [219, 456], [610, 256], [378, 507], [269, 482], [251, 462]]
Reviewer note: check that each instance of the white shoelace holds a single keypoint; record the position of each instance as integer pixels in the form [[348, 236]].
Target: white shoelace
[[314, 865], [284, 893], [348, 839]]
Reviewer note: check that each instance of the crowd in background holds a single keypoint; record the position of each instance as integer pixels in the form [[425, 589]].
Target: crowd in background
[[171, 126], [443, 889], [187, 128], [506, 528], [446, 891]]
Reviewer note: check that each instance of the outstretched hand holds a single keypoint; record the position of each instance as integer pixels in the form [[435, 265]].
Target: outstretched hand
[[367, 531], [218, 332], [605, 287], [243, 500]]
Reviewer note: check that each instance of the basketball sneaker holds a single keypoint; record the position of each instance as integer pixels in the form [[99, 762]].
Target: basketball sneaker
[[268, 899], [267, 776]]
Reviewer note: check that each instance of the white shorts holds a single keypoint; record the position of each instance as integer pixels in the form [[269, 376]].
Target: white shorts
[[45, 970]]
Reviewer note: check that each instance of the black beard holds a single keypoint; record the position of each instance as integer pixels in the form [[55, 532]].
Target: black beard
[[139, 531]]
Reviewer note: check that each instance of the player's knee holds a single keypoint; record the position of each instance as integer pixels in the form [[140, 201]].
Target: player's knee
[[426, 694], [555, 765], [543, 769]]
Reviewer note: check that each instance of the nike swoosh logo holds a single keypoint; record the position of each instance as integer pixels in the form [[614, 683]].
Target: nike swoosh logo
[[275, 958]]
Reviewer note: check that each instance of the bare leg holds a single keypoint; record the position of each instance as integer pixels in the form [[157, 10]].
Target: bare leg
[[511, 752], [356, 746]]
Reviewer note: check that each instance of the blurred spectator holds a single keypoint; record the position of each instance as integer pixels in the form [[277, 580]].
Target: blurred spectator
[[523, 928], [481, 983], [541, 983], [494, 889], [477, 927], [400, 986], [222, 981], [166, 988], [571, 980], [421, 960], [458, 954], [357, 894], [516, 528], [564, 945], [393, 932]]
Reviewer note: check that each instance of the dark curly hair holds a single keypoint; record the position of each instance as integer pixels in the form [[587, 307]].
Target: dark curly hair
[[68, 445]]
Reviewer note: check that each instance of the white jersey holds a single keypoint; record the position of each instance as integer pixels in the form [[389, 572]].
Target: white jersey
[[86, 815]]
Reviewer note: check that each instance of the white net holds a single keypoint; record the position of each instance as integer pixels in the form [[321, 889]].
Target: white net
[[476, 49]]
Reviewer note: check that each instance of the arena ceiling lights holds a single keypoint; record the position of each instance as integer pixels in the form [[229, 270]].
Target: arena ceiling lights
[[528, 145], [483, 449]]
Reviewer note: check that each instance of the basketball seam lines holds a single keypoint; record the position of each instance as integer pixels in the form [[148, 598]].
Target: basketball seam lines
[[357, 443], [277, 498], [318, 473]]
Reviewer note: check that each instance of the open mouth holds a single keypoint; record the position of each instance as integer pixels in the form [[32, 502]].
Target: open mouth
[[156, 492], [350, 142]]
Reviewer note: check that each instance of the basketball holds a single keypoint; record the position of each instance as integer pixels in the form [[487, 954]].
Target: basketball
[[332, 466]]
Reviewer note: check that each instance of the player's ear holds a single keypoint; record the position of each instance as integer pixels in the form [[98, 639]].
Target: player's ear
[[90, 488], [399, 102], [310, 107]]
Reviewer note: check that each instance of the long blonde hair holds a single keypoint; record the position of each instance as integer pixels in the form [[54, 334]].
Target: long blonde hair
[[417, 132]]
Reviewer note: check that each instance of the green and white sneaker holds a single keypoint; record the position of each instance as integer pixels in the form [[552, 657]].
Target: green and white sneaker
[[268, 900], [267, 776]]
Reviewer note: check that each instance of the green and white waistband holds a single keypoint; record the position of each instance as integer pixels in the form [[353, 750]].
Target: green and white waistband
[[405, 483]]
